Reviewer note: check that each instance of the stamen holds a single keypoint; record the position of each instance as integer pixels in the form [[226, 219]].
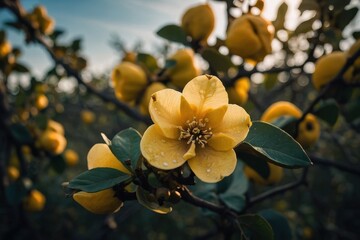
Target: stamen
[[195, 131]]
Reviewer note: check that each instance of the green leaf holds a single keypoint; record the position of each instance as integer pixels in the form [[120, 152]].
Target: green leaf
[[149, 201], [76, 45], [173, 33], [279, 224], [345, 17], [256, 227], [258, 164], [18, 67], [216, 60], [56, 34], [98, 179], [356, 35], [148, 60], [126, 147], [328, 111], [41, 121], [20, 133], [352, 111], [58, 163], [286, 123], [234, 195], [270, 143]]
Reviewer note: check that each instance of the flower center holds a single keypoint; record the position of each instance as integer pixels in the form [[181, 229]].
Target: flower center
[[195, 131]]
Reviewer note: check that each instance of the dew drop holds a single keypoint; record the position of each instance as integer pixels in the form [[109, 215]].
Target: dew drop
[[174, 161], [165, 164], [208, 170]]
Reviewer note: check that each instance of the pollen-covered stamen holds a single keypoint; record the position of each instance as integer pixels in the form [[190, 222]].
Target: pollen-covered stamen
[[195, 131]]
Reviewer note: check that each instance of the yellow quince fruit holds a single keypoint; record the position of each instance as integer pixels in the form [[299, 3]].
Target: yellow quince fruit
[[52, 142], [129, 81], [328, 66], [40, 20], [13, 173], [71, 157], [104, 201], [150, 90], [309, 128], [250, 37], [41, 102], [198, 22], [87, 116], [5, 48], [35, 201], [238, 94], [185, 68], [275, 176], [129, 57]]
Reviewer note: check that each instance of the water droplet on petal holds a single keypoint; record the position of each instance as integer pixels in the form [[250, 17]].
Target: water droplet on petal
[[174, 161], [208, 170], [165, 164]]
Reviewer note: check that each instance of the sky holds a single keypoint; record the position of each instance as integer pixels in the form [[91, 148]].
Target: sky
[[132, 20]]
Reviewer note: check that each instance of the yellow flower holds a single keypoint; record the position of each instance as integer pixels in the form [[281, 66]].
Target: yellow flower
[[197, 126], [104, 201], [71, 157], [5, 48]]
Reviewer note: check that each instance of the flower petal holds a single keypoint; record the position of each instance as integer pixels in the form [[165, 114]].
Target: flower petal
[[100, 155], [215, 117], [212, 166], [164, 110], [102, 202], [160, 151], [232, 130], [205, 92]]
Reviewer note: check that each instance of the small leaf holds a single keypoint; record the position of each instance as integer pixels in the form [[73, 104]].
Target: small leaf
[[279, 224], [126, 146], [18, 67], [328, 111], [76, 45], [173, 33], [149, 201], [216, 60], [98, 179], [356, 35], [148, 60], [15, 25], [234, 196], [56, 34], [256, 227], [352, 111], [345, 17], [270, 143], [20, 133]]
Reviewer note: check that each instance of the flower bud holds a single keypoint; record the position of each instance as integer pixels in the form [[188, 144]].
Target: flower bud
[[184, 69], [150, 90], [129, 81], [250, 37], [40, 20], [198, 22]]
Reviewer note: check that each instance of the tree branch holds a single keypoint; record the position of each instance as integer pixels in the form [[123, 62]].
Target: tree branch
[[338, 165], [35, 35]]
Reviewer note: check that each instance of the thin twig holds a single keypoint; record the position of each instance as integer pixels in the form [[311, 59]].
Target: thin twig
[[338, 165]]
